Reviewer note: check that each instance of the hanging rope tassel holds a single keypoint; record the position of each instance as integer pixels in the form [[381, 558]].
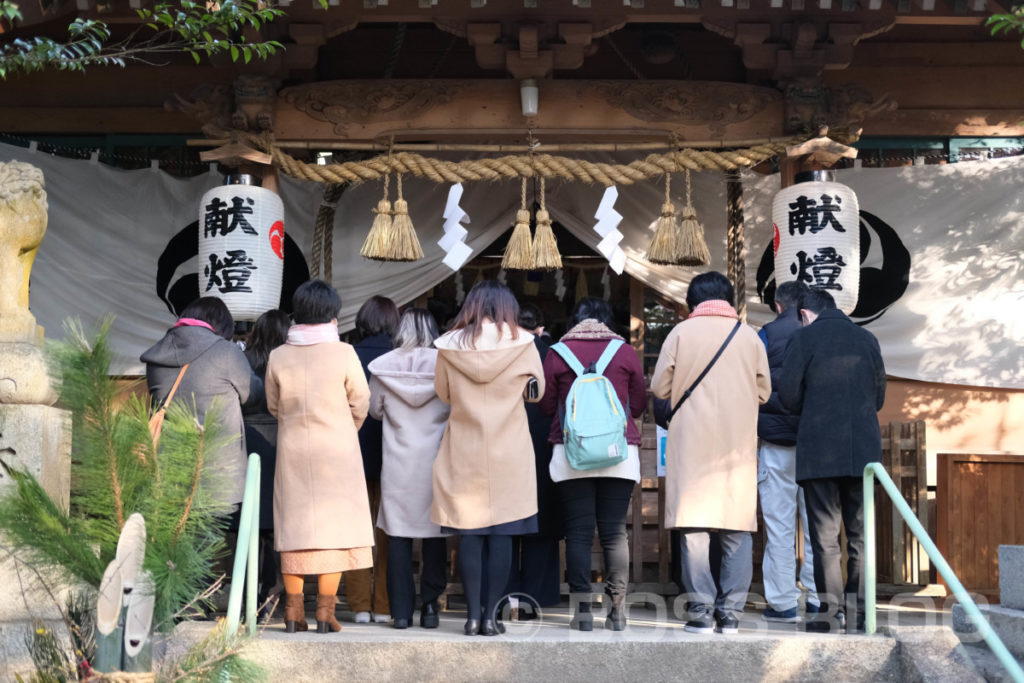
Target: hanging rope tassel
[[405, 244], [665, 247], [545, 247], [519, 251], [693, 247], [378, 242]]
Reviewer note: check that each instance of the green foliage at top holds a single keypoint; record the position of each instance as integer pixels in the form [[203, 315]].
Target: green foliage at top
[[193, 28], [116, 472], [1007, 23]]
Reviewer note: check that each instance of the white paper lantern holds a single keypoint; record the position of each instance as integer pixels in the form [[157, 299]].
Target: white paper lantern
[[241, 248], [817, 239]]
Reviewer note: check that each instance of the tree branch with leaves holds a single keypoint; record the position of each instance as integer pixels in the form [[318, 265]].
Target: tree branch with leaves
[[184, 27]]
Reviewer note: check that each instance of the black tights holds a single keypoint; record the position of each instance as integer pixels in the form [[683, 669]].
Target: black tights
[[474, 553]]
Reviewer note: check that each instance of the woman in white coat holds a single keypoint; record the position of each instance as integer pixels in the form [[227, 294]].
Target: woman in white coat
[[402, 396]]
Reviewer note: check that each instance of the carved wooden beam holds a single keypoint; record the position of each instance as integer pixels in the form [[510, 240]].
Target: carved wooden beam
[[490, 110]]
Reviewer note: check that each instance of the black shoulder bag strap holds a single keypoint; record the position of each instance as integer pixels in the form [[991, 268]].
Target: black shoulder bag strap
[[714, 360]]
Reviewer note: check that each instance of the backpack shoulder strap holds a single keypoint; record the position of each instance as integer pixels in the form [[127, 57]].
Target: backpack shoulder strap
[[606, 357], [569, 357]]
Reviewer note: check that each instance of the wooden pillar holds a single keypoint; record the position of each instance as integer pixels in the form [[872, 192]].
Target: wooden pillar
[[734, 248]]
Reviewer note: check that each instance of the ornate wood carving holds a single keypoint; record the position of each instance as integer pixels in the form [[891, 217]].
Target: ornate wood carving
[[811, 105], [342, 103], [443, 109], [694, 103]]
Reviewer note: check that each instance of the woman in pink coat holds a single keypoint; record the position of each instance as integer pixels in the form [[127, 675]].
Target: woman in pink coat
[[318, 392]]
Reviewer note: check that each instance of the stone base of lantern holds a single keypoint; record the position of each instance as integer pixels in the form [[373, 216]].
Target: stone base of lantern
[[36, 439]]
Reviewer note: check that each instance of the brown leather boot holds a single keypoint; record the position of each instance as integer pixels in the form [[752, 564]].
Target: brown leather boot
[[325, 621], [294, 613]]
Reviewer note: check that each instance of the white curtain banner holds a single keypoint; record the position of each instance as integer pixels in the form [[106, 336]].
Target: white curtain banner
[[941, 276]]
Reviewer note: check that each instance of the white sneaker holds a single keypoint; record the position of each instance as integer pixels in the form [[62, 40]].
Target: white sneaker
[[382, 618], [362, 617]]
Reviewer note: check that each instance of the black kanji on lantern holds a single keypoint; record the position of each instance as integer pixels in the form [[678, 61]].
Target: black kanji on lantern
[[230, 274], [220, 217], [825, 268], [805, 214]]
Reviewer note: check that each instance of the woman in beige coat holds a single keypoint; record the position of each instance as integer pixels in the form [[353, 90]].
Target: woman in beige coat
[[318, 392], [711, 452], [485, 486], [402, 396]]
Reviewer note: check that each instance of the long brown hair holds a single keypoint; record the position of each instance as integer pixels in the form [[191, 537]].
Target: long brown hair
[[488, 300]]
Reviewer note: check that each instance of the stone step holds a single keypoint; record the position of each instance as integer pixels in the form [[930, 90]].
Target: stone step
[[651, 649], [1007, 623]]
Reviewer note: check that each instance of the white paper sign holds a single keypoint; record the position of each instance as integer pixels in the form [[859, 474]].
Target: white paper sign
[[450, 237], [458, 255]]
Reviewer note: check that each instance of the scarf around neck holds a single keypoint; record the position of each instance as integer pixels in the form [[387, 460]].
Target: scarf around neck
[[589, 329], [194, 322], [717, 307], [307, 335]]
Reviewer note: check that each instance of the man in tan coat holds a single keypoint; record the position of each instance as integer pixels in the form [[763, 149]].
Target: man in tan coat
[[711, 453]]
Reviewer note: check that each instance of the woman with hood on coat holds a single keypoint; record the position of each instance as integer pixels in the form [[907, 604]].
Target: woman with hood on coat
[[403, 398], [485, 485], [212, 370], [317, 390]]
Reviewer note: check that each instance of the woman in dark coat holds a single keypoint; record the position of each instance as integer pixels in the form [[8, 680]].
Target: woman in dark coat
[[217, 372], [535, 558], [269, 332], [366, 590]]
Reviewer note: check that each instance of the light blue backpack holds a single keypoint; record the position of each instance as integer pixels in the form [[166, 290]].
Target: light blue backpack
[[593, 421]]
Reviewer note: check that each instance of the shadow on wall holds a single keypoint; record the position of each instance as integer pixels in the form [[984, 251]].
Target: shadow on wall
[[959, 418]]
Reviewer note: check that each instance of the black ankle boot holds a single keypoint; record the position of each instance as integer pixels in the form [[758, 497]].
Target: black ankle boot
[[616, 620]]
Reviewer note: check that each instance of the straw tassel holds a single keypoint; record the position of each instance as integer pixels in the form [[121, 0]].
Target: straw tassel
[[405, 245], [545, 247], [665, 247], [693, 247], [519, 251], [378, 241]]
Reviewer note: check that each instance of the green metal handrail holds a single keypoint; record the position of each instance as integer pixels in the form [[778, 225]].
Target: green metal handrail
[[875, 469], [246, 552]]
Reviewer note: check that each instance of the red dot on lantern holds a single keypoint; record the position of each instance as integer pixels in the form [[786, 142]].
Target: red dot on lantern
[[277, 238]]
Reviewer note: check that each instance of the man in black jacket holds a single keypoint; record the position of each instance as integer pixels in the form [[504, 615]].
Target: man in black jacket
[[833, 376], [781, 497]]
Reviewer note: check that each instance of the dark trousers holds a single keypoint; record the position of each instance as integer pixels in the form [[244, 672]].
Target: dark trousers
[[600, 501], [401, 584], [830, 502], [535, 569]]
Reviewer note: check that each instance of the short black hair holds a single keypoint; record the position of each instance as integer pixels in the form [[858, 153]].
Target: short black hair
[[530, 316], [708, 287], [590, 307], [790, 294], [377, 315], [817, 300], [214, 312], [315, 302]]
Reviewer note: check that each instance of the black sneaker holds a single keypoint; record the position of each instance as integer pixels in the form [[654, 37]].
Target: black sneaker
[[727, 624], [704, 623]]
